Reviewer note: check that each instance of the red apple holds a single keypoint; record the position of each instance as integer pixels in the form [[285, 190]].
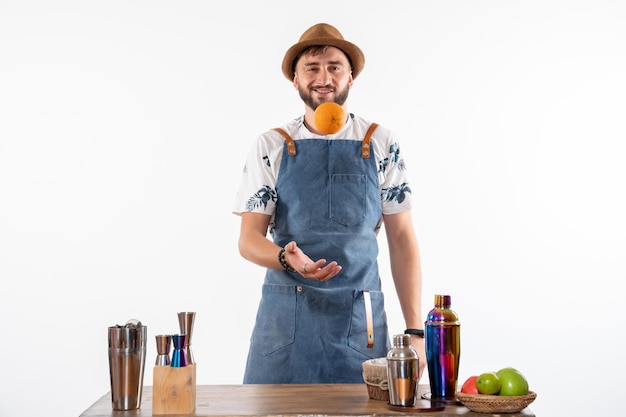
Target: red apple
[[469, 386]]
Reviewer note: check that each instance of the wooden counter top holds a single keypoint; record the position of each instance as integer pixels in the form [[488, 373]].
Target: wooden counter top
[[285, 401]]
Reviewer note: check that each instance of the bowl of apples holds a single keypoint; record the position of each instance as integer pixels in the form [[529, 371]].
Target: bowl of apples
[[504, 391]]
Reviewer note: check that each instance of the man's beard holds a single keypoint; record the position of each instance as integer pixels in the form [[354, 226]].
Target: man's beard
[[340, 97]]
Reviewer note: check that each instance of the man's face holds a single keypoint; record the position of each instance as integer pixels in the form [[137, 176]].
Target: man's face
[[323, 77]]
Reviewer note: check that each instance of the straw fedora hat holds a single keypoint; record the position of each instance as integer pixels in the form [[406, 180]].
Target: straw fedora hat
[[323, 34]]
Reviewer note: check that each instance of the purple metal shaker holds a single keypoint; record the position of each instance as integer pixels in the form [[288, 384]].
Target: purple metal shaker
[[443, 348]]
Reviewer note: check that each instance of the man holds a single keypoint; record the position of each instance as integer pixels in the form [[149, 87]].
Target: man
[[323, 198]]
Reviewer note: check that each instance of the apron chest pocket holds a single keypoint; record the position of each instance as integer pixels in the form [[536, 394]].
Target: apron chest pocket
[[347, 198]]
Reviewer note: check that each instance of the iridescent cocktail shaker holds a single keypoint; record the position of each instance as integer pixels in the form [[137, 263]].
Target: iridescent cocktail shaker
[[443, 348]]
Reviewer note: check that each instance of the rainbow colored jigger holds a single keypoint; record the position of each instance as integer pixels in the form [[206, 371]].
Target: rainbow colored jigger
[[179, 356], [443, 349]]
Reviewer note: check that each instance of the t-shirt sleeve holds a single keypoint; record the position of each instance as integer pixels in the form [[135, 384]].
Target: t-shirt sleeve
[[257, 187], [395, 189]]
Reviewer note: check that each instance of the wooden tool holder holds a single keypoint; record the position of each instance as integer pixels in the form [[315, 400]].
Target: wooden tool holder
[[174, 390]]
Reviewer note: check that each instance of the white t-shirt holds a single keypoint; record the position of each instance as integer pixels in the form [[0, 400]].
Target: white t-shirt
[[263, 164]]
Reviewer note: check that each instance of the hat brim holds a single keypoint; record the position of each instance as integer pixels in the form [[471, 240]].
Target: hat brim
[[354, 53]]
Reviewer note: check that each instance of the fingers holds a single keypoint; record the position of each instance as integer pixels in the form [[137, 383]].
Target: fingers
[[318, 271], [311, 268], [330, 273]]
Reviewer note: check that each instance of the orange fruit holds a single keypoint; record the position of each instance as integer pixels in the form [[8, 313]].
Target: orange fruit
[[329, 117]]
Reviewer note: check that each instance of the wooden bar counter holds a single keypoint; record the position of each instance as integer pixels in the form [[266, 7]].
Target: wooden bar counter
[[285, 401]]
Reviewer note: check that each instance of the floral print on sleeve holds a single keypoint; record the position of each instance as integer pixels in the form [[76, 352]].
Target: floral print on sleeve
[[396, 193], [395, 188], [261, 197]]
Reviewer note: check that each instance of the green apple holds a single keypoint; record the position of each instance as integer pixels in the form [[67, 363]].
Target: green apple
[[512, 382], [488, 383]]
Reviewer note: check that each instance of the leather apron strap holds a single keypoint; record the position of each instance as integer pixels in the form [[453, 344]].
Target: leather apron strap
[[370, 321], [365, 144], [291, 145]]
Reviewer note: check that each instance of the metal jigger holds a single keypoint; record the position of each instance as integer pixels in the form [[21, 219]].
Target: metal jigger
[[179, 357], [185, 320], [163, 343]]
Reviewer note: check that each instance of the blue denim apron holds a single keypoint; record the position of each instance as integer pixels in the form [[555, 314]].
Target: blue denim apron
[[317, 332]]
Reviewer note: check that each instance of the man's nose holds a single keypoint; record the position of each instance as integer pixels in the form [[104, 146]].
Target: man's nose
[[324, 77]]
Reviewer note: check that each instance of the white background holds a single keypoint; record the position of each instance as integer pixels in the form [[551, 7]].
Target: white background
[[123, 130]]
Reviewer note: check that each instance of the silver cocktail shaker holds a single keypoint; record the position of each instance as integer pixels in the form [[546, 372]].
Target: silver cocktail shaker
[[402, 372]]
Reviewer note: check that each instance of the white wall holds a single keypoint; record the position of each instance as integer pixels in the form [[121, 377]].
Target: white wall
[[123, 128]]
